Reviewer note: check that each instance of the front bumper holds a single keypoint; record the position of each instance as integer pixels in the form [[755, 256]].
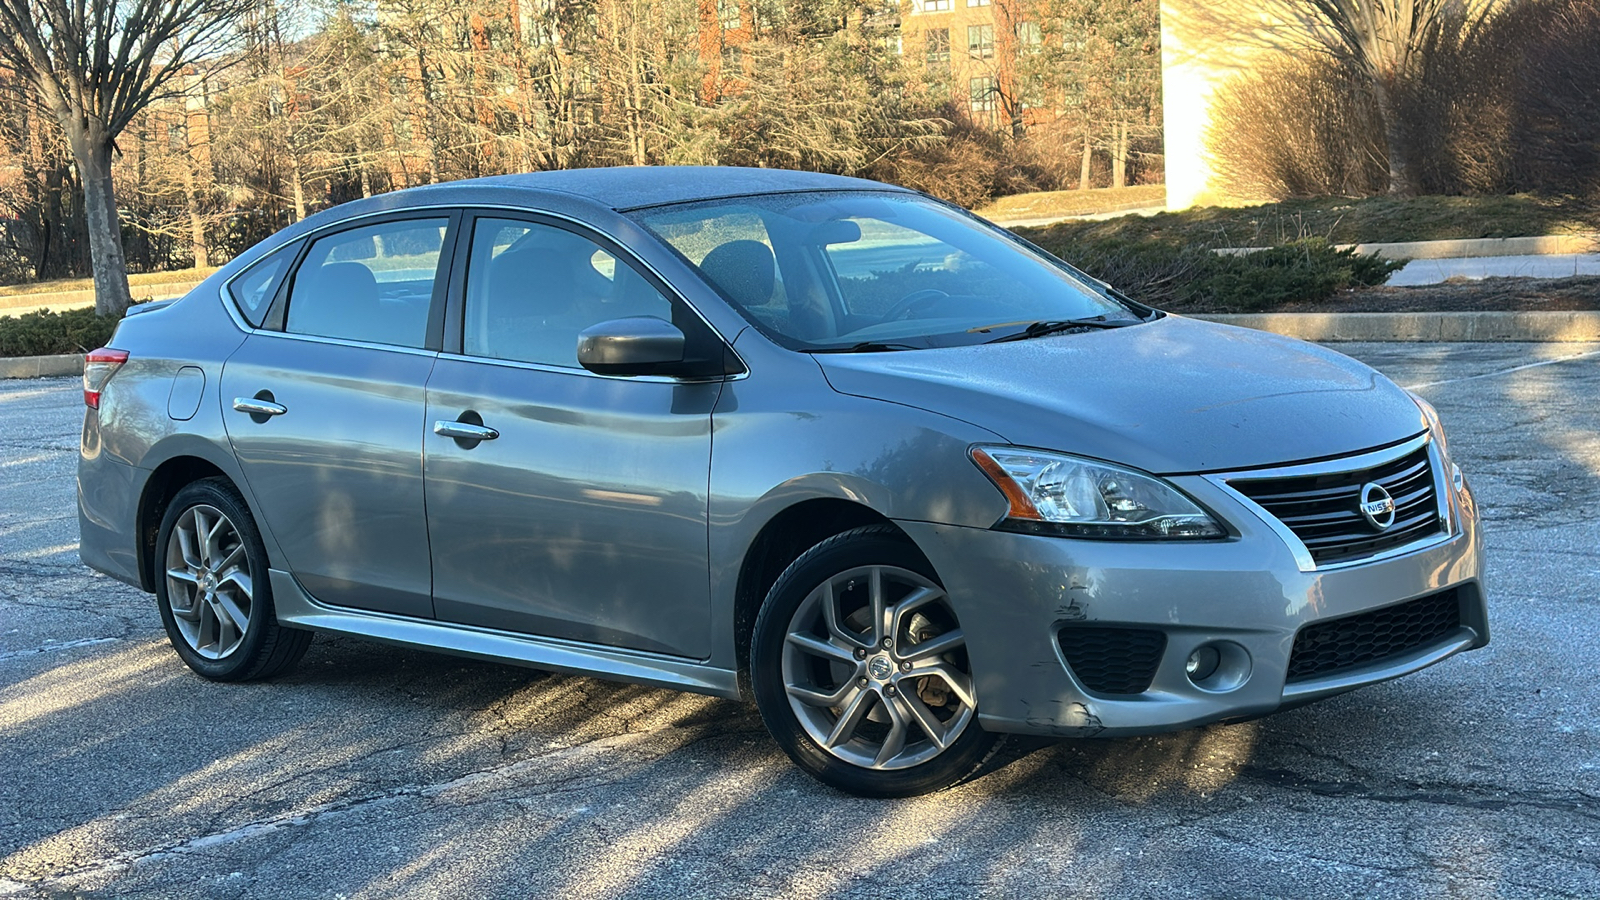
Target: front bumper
[[1015, 593]]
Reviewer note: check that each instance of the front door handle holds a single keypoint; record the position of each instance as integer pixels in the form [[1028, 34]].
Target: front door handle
[[259, 407], [464, 431]]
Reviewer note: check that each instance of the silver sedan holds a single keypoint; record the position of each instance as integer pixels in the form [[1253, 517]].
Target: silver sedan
[[904, 480]]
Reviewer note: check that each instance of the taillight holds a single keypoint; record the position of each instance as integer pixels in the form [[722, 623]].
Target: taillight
[[98, 367]]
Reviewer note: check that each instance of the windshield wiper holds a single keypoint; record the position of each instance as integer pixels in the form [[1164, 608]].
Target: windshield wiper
[[867, 347], [1053, 326]]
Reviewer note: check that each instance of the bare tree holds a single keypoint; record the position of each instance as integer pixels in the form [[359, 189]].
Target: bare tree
[[94, 64], [1385, 41]]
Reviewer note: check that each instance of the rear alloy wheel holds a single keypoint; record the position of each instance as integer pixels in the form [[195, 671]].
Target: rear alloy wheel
[[212, 588], [861, 670]]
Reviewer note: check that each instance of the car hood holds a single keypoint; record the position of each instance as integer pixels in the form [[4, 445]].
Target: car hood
[[1170, 396]]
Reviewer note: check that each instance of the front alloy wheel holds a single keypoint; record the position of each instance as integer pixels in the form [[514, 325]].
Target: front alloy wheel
[[873, 687]]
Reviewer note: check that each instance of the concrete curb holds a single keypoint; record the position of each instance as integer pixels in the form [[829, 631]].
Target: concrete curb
[[1540, 327], [41, 366], [1547, 245]]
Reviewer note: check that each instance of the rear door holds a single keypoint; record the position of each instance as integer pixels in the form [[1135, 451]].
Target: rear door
[[584, 516], [327, 411]]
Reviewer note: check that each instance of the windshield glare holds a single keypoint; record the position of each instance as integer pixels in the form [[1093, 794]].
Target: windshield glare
[[821, 271]]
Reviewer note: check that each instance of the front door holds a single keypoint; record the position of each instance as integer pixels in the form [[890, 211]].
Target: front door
[[583, 516]]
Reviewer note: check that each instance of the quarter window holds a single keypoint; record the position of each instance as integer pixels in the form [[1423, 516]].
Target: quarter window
[[532, 288], [253, 291], [369, 284]]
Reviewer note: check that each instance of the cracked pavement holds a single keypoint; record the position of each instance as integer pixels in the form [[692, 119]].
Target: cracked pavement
[[375, 772]]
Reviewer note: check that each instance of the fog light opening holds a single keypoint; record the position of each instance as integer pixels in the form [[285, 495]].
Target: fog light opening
[[1218, 667], [1202, 663]]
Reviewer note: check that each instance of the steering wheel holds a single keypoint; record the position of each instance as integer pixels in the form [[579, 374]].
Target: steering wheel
[[912, 301]]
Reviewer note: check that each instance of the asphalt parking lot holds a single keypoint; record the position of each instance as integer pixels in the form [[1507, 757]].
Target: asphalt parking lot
[[376, 772]]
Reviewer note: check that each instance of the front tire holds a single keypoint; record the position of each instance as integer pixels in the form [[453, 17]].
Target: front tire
[[860, 669], [212, 588]]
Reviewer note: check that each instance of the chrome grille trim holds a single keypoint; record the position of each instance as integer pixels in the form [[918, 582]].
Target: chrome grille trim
[[1422, 500]]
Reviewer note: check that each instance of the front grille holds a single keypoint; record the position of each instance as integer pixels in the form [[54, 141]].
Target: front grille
[[1336, 644], [1324, 511], [1109, 660]]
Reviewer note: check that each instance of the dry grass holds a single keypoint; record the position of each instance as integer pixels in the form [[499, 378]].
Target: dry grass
[[1045, 204]]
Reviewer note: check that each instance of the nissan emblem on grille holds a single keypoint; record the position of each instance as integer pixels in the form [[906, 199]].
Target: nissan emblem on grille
[[1377, 507]]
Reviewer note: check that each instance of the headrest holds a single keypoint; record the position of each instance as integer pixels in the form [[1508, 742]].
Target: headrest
[[744, 270]]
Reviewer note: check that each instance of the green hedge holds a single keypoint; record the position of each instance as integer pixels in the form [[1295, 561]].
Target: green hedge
[[1191, 278], [48, 333]]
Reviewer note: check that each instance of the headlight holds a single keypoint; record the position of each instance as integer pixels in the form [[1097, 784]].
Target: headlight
[[1435, 426], [1053, 493]]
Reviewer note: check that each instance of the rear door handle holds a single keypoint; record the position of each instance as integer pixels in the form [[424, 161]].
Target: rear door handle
[[464, 431], [258, 407]]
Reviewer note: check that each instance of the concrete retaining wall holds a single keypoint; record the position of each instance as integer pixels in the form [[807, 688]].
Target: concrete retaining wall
[[1436, 326]]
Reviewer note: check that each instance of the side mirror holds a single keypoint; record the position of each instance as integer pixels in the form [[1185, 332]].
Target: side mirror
[[638, 345]]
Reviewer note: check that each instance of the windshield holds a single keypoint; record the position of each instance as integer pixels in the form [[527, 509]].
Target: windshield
[[877, 271]]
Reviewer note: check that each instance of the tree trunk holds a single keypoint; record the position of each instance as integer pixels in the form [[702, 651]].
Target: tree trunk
[[1119, 155], [111, 295], [1393, 141], [1088, 157], [296, 184], [197, 224]]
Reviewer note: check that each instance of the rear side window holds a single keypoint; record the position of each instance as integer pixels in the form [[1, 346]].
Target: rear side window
[[253, 291], [369, 284]]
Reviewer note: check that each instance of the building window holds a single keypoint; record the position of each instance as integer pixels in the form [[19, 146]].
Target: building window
[[980, 41], [732, 60], [977, 2], [936, 5], [728, 14], [984, 93], [939, 50], [1028, 35]]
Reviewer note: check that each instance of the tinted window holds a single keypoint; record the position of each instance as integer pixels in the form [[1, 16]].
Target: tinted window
[[834, 270], [532, 288], [369, 284], [253, 291]]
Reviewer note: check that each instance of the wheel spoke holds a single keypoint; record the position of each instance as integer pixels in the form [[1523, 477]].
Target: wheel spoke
[[212, 546], [881, 613], [817, 647], [896, 739], [205, 629], [202, 537], [186, 545], [909, 604], [184, 575], [938, 645], [229, 609], [830, 614], [855, 708], [960, 684], [925, 719], [241, 581], [817, 698], [235, 557]]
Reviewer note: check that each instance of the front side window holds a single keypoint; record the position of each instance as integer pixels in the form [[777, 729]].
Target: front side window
[[531, 288], [369, 284], [836, 270]]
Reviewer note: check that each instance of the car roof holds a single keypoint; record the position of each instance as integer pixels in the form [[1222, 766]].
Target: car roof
[[632, 187]]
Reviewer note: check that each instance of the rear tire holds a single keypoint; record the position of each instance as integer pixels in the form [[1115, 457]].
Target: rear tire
[[213, 591], [860, 669]]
